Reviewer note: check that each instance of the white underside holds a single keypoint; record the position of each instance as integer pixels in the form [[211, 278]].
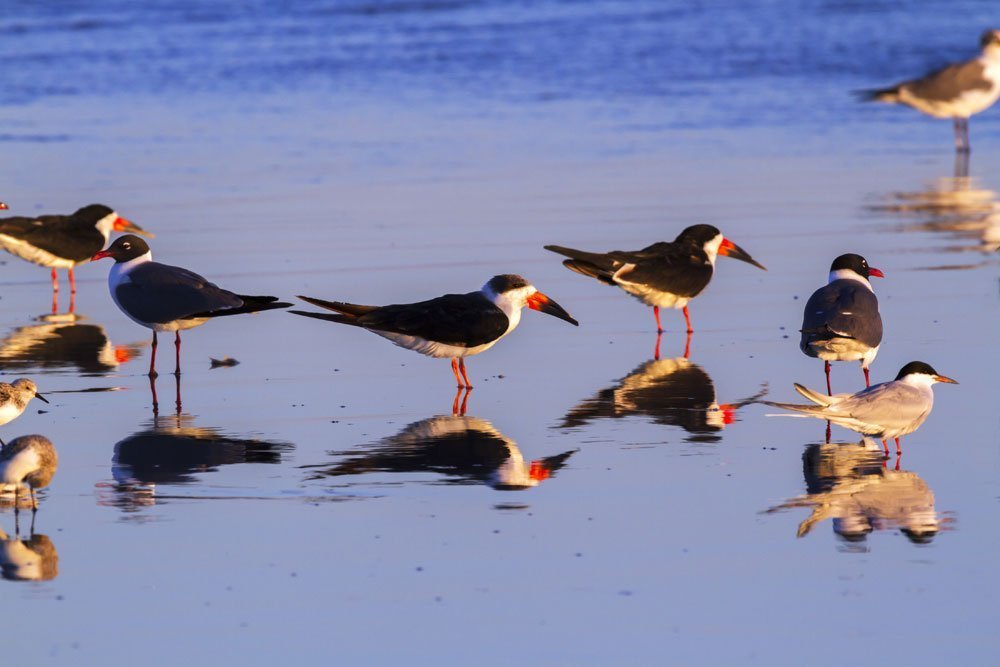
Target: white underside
[[968, 103], [119, 275], [9, 412], [844, 349], [646, 294], [34, 255], [14, 470], [435, 349]]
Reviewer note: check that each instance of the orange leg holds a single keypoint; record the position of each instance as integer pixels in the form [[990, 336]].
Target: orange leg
[[177, 353], [55, 282], [868, 381], [72, 281], [656, 348], [656, 314], [457, 411], [152, 364], [687, 318], [461, 367], [826, 369], [899, 450], [687, 346], [885, 446], [454, 369]]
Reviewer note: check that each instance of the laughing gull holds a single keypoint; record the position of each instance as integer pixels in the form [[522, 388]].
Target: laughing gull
[[14, 398], [841, 321], [887, 410], [168, 298], [452, 326], [663, 275], [956, 91], [63, 241], [30, 461]]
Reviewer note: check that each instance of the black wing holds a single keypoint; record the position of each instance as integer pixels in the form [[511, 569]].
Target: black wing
[[455, 319], [842, 309], [158, 293], [60, 235], [950, 82], [679, 269]]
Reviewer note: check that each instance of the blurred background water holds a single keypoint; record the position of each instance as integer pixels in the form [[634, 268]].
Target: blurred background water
[[319, 499]]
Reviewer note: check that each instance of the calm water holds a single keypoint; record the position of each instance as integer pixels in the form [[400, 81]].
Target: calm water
[[594, 505]]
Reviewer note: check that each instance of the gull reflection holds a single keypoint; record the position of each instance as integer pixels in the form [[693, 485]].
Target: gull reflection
[[32, 559], [172, 450], [672, 392], [466, 450], [63, 341], [850, 484]]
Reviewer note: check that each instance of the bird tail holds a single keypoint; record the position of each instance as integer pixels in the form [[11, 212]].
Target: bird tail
[[808, 410], [878, 94], [353, 310], [819, 399], [251, 304], [330, 317], [590, 264]]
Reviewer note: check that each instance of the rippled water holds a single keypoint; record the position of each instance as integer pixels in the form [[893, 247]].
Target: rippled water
[[594, 505]]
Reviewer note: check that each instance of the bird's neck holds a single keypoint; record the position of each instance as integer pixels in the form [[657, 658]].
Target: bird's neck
[[105, 225], [122, 269], [847, 274], [510, 303]]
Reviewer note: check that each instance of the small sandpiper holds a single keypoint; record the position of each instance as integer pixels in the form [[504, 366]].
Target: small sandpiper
[[14, 399], [31, 461]]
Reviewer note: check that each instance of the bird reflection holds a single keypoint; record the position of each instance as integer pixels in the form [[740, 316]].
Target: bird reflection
[[32, 559], [63, 341], [467, 450], [958, 206], [171, 450], [672, 392], [851, 484]]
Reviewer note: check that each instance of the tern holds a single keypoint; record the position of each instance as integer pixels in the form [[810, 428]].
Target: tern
[[31, 461], [663, 275], [452, 326], [168, 298], [63, 241], [956, 91], [14, 398], [841, 321], [886, 410]]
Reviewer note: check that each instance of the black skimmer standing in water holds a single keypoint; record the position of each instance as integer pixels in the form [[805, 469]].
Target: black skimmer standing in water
[[14, 398], [841, 321], [63, 241], [956, 91], [663, 275], [887, 410], [168, 298], [30, 461], [452, 326]]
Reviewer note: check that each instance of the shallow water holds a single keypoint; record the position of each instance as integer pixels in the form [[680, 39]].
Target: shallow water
[[319, 498]]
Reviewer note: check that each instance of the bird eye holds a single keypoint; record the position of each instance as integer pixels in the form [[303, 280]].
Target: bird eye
[[127, 246]]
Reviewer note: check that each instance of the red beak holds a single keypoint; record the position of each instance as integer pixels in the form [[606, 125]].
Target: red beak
[[101, 255], [872, 271], [539, 472], [123, 225], [729, 249], [544, 304]]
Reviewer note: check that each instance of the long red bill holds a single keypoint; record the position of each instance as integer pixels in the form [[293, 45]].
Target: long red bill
[[872, 271], [542, 303], [730, 249]]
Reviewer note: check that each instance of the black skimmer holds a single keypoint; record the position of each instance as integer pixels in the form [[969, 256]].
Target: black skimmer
[[663, 275], [168, 298], [841, 321], [672, 392], [64, 342], [848, 482], [452, 326], [14, 398], [956, 91], [887, 410], [30, 461], [466, 449], [63, 241], [32, 559]]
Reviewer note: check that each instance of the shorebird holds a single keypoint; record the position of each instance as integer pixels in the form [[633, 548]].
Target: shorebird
[[663, 275], [30, 461], [14, 398], [451, 326], [63, 241], [887, 410], [168, 298], [33, 559], [956, 91], [841, 321]]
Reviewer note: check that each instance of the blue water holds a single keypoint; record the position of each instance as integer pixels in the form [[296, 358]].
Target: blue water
[[319, 501]]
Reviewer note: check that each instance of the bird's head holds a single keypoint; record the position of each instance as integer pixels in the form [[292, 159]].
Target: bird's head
[[516, 293], [711, 240], [28, 388], [107, 220], [124, 249], [853, 266], [990, 40], [918, 372]]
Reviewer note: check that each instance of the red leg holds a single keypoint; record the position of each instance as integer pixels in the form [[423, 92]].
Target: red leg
[[687, 318], [885, 446], [656, 348], [177, 353], [55, 282], [454, 369], [656, 314], [461, 367], [454, 404], [465, 402], [899, 450], [687, 346], [72, 281], [152, 364], [152, 390], [868, 381], [826, 369]]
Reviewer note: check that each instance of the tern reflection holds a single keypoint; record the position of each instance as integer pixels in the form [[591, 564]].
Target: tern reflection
[[467, 450], [850, 484], [672, 392], [171, 450], [31, 559], [63, 341]]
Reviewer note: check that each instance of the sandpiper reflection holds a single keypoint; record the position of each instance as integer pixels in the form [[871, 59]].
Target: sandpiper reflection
[[172, 450], [466, 450], [63, 341], [672, 392], [31, 559], [851, 484]]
